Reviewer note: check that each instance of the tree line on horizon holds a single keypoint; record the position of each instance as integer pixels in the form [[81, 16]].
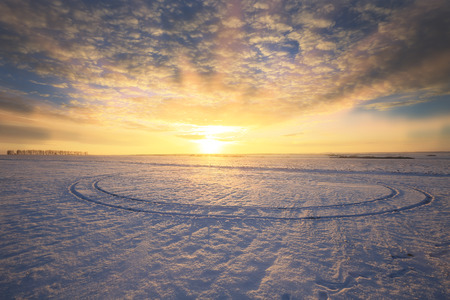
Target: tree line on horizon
[[44, 152]]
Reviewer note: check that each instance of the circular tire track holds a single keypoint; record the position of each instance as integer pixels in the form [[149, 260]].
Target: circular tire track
[[89, 189], [393, 193]]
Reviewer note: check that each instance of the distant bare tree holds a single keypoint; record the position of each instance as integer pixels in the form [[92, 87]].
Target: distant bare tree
[[45, 152]]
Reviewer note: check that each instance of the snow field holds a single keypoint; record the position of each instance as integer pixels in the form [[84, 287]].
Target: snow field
[[244, 228]]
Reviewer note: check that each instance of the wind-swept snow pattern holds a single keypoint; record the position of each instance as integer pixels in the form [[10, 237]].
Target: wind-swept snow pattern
[[250, 227]]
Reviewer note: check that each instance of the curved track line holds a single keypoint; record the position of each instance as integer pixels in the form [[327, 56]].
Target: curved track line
[[72, 189], [394, 193]]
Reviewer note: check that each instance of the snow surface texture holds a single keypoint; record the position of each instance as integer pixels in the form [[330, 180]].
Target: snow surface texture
[[250, 227]]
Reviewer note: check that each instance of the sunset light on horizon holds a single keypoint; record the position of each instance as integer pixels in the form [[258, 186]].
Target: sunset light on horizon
[[242, 76]]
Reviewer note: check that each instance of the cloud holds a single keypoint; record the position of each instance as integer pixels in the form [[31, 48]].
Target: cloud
[[294, 134], [233, 22], [384, 106], [211, 62], [16, 104], [12, 133], [261, 5], [408, 52], [309, 20], [191, 136], [62, 85]]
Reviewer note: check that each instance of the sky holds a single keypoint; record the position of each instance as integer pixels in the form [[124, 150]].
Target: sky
[[172, 77]]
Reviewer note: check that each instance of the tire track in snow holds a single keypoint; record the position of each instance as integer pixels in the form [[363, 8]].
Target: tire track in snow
[[88, 189], [394, 193]]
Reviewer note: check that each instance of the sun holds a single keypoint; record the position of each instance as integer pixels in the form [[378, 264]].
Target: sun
[[210, 146], [211, 139]]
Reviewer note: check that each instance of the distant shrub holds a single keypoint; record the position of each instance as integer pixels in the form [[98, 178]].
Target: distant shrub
[[44, 152]]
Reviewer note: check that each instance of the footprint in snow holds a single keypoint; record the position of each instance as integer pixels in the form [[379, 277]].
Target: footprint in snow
[[442, 252], [399, 273], [323, 295], [286, 297], [402, 256]]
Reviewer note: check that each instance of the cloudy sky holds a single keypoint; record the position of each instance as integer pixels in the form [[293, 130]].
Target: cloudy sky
[[238, 76]]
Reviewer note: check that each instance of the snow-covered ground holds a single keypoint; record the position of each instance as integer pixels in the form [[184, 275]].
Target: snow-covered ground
[[238, 227]]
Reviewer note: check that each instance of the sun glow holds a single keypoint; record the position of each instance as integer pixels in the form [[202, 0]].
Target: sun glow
[[210, 146], [213, 138]]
